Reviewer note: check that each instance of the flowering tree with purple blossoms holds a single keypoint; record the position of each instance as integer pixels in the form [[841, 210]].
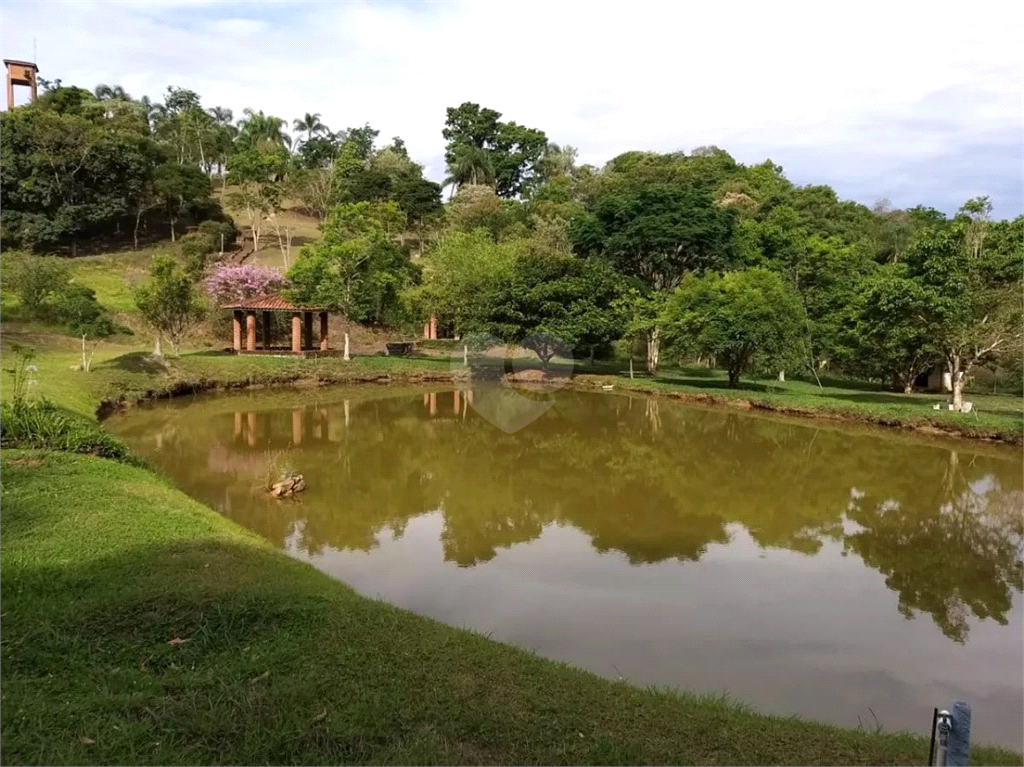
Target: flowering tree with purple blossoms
[[232, 283]]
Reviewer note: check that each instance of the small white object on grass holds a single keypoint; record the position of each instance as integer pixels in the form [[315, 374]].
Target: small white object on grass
[[937, 406], [967, 407]]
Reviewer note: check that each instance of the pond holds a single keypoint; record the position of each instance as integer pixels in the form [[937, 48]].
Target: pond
[[848, 575]]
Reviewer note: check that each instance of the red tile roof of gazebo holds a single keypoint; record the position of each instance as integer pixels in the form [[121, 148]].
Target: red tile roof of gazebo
[[271, 303]]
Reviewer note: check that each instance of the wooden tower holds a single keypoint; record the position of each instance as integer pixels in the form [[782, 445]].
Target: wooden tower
[[20, 73]]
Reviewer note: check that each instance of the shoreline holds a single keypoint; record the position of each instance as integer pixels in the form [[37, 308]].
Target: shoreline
[[583, 381]]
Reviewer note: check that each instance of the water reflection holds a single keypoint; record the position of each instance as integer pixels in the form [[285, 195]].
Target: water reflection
[[802, 568], [649, 479]]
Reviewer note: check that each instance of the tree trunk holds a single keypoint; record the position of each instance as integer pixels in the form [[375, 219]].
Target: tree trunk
[[158, 350], [958, 389], [172, 229], [908, 386], [346, 357], [653, 349], [135, 234], [85, 363], [734, 378]]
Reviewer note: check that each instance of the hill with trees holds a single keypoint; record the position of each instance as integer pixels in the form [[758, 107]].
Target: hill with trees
[[692, 255]]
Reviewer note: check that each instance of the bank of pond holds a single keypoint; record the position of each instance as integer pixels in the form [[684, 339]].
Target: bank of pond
[[850, 576]]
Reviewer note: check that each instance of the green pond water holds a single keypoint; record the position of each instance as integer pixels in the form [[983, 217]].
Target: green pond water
[[845, 575]]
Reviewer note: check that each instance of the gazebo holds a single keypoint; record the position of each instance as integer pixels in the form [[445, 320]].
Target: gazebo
[[302, 326]]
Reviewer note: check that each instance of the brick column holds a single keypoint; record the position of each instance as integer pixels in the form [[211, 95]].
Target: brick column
[[250, 331], [433, 327], [297, 332], [236, 338]]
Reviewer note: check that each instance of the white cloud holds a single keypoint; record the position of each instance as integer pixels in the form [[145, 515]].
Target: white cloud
[[883, 99]]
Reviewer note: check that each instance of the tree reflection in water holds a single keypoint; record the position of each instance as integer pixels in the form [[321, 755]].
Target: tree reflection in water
[[651, 479]]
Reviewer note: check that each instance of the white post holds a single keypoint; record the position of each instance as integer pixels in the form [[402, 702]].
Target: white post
[[346, 357], [630, 368]]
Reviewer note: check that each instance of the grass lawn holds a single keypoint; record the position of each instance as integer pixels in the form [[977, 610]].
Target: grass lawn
[[999, 416], [126, 376], [141, 627]]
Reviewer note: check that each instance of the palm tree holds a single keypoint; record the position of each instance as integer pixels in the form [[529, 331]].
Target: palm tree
[[311, 125], [105, 92], [221, 115], [256, 127], [470, 164]]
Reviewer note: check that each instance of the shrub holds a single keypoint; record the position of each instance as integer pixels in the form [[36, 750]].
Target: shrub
[[195, 247], [215, 229], [36, 280], [44, 426]]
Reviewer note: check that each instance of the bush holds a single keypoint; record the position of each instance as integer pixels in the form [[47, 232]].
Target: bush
[[44, 426], [195, 247], [215, 229], [35, 280]]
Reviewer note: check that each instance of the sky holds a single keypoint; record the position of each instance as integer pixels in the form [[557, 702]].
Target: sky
[[917, 103]]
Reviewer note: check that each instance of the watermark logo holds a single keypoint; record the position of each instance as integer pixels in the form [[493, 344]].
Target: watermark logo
[[518, 390]]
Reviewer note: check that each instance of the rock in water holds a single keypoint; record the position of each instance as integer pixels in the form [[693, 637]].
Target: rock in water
[[288, 486]]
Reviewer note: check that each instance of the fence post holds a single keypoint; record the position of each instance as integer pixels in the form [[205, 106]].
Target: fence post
[[958, 751], [951, 736]]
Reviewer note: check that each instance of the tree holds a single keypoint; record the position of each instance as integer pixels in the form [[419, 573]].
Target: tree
[[554, 303], [459, 273], [223, 140], [977, 211], [973, 302], [316, 189], [310, 124], [889, 337], [110, 92], [257, 129], [233, 283], [656, 233], [168, 302], [68, 169], [319, 152], [357, 268], [745, 320], [257, 175], [481, 149], [180, 187], [469, 164], [83, 315]]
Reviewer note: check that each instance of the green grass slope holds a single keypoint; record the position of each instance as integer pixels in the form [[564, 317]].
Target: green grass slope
[[141, 627]]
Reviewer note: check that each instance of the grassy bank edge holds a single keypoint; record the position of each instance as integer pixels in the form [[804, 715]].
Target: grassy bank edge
[[91, 605], [777, 403], [218, 374]]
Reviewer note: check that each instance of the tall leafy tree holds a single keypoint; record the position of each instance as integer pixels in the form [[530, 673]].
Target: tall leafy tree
[[746, 320], [482, 149], [179, 188], [889, 339], [973, 307], [357, 268], [657, 233]]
